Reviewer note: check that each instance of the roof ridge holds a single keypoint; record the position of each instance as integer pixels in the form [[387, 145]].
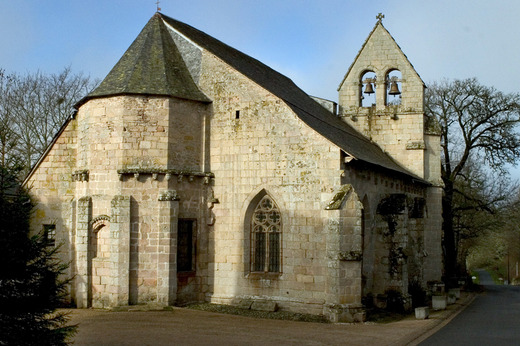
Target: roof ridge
[[128, 77], [307, 109]]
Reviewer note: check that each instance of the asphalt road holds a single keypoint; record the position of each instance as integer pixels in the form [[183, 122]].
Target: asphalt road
[[492, 319]]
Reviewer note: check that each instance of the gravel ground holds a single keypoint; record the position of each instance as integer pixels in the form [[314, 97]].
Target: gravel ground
[[184, 326]]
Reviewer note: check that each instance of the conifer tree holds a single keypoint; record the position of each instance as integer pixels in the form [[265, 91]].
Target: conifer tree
[[31, 284]]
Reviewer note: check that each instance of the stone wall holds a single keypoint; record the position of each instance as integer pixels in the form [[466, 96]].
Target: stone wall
[[128, 169], [258, 145], [401, 134], [132, 150], [394, 240], [52, 188], [398, 129]]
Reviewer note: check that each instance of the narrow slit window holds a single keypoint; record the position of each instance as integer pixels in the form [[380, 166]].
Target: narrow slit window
[[49, 232], [237, 115], [185, 246]]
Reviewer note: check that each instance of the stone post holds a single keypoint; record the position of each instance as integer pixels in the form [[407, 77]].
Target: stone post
[[120, 250], [167, 248], [333, 265], [83, 262], [344, 256]]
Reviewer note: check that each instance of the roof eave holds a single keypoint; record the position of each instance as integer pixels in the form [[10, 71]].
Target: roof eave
[[88, 98]]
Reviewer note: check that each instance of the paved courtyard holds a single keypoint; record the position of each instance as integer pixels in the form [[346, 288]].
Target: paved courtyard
[[190, 327]]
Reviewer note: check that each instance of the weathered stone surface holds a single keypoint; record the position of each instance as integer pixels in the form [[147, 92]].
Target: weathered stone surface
[[439, 302], [264, 305], [422, 313], [129, 169], [245, 304], [337, 200]]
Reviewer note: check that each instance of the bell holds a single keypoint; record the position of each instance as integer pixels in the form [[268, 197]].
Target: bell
[[394, 89], [369, 89]]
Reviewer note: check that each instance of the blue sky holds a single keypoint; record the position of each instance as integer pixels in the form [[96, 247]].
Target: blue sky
[[313, 42]]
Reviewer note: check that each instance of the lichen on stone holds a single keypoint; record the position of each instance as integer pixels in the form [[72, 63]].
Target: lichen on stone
[[336, 201], [350, 256]]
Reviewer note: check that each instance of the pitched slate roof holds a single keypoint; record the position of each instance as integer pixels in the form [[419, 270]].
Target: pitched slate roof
[[309, 111], [151, 66]]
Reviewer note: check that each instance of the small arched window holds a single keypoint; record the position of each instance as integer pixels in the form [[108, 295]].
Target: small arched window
[[266, 234], [100, 236]]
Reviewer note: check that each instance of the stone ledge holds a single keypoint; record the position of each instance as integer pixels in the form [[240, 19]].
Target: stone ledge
[[169, 195], [416, 145], [80, 175], [338, 198], [264, 305], [168, 173]]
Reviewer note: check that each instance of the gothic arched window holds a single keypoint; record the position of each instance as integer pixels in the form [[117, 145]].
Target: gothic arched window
[[266, 231]]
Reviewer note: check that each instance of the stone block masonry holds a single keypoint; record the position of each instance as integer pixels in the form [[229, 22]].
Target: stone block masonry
[[234, 186]]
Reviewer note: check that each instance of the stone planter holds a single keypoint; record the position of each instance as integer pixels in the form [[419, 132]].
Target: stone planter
[[455, 292], [422, 313], [451, 299], [439, 302], [437, 287]]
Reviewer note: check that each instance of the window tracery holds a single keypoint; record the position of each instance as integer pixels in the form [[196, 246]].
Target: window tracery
[[266, 237]]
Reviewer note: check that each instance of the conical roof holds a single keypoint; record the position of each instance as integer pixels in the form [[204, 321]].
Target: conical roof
[[151, 66]]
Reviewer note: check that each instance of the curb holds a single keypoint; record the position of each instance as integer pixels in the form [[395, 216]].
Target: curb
[[443, 321]]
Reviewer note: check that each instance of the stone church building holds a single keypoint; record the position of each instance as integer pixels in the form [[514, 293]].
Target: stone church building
[[194, 172]]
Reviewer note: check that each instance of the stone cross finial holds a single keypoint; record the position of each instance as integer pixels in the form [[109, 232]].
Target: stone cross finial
[[380, 17]]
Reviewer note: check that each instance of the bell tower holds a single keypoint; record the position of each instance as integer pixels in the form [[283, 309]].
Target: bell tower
[[382, 96]]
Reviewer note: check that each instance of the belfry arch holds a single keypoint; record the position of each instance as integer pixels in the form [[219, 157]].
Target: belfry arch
[[393, 79], [367, 89]]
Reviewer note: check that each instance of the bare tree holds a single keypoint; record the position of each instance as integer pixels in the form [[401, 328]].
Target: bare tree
[[480, 207], [9, 158], [478, 127], [36, 105]]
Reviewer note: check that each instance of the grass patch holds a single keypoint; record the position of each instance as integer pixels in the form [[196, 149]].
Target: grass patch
[[277, 315], [475, 277], [385, 316], [496, 275], [373, 315]]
